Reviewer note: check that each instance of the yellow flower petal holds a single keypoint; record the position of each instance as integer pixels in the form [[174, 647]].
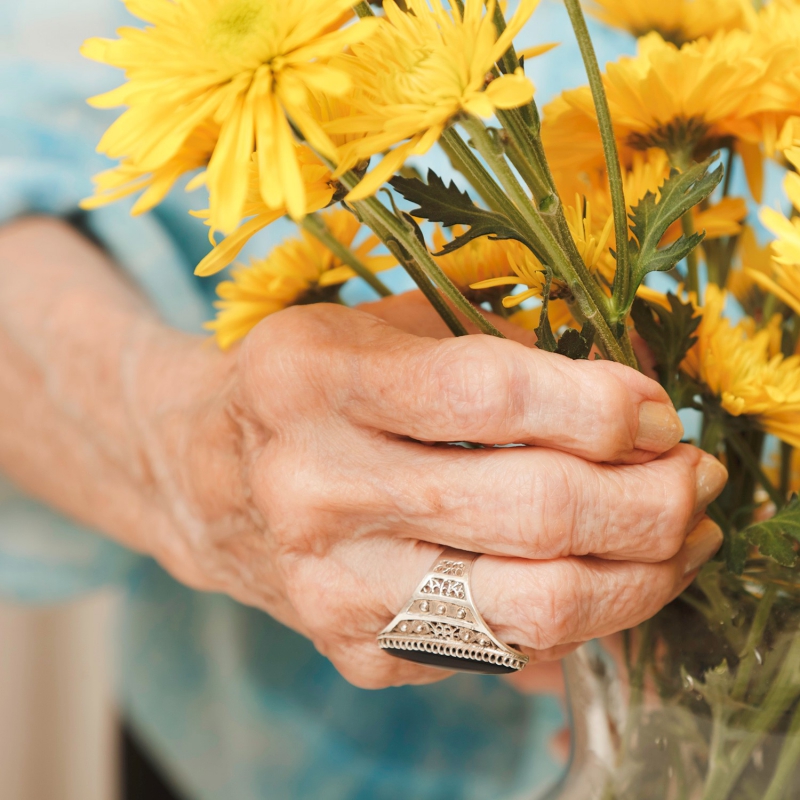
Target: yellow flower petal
[[374, 179], [510, 91]]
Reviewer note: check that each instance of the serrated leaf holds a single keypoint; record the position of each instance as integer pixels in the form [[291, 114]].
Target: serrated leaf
[[717, 684], [775, 537], [666, 258], [735, 549], [669, 333], [576, 344], [654, 214], [447, 204]]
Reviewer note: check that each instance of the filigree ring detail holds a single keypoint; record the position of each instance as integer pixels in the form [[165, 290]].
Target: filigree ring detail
[[441, 627]]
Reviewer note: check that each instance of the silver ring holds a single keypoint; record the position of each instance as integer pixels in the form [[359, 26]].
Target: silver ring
[[441, 627]]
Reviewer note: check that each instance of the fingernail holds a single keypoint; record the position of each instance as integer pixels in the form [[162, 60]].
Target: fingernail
[[711, 480], [660, 427], [701, 545]]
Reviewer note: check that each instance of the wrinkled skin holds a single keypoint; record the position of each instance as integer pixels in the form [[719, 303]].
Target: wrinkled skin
[[299, 473]]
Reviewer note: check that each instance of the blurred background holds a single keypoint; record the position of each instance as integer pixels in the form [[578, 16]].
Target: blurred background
[[59, 738]]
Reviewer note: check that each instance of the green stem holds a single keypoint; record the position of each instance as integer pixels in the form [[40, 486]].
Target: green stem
[[787, 761], [412, 268], [749, 659], [592, 302], [525, 158], [467, 163], [399, 230], [364, 9], [636, 678], [428, 289], [463, 158], [509, 61], [380, 218], [785, 689], [692, 266], [751, 461], [622, 277], [315, 225], [787, 451]]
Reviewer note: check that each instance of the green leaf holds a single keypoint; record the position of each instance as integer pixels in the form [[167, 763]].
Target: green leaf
[[448, 205], [717, 686], [576, 344], [775, 537], [653, 216], [666, 258], [735, 550], [670, 335]]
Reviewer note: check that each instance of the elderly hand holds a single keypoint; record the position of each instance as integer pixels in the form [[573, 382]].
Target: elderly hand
[[322, 500], [301, 474]]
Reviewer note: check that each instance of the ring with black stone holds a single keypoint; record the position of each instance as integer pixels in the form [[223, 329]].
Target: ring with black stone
[[441, 627]]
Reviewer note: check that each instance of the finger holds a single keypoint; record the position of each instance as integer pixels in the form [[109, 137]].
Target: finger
[[475, 388], [526, 502], [355, 591], [366, 666], [541, 504], [546, 604], [341, 604], [483, 389]]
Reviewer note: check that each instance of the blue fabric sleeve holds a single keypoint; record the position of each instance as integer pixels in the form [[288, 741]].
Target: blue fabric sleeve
[[47, 158]]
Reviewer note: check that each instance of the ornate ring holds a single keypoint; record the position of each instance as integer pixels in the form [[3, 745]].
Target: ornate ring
[[441, 627]]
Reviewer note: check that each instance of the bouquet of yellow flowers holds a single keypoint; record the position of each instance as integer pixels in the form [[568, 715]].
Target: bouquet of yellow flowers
[[317, 110]]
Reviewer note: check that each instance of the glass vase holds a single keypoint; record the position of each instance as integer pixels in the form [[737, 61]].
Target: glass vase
[[700, 703]]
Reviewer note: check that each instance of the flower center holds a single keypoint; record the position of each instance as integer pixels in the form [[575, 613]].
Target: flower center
[[239, 26], [679, 135]]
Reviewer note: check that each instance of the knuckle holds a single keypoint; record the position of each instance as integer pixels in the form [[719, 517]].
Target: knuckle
[[288, 345], [553, 616], [612, 437], [642, 596], [477, 383], [593, 518], [673, 500], [290, 493], [646, 510], [557, 492]]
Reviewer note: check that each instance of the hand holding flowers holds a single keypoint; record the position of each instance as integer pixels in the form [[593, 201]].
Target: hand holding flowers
[[614, 182]]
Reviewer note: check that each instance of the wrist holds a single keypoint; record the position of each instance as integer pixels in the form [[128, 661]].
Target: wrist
[[188, 444]]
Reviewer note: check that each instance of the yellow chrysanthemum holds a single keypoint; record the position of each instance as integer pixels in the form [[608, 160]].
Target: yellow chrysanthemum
[[742, 369], [557, 312], [678, 21], [776, 39], [479, 260], [247, 66], [753, 258], [784, 282], [529, 271], [319, 189], [299, 271], [127, 178], [684, 101], [420, 69]]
